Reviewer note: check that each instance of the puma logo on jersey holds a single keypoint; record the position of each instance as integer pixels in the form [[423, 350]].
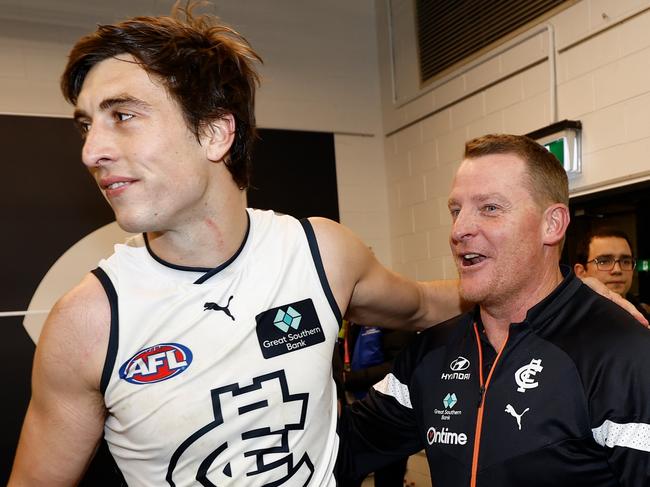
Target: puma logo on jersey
[[215, 307], [511, 411]]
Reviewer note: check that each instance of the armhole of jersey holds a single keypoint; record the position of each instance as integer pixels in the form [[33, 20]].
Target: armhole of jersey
[[318, 262], [111, 352]]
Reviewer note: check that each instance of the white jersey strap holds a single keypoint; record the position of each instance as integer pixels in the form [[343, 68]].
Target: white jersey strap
[[630, 435], [391, 386]]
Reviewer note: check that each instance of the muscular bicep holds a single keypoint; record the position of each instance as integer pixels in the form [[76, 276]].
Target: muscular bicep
[[383, 297], [364, 290], [66, 413], [369, 293]]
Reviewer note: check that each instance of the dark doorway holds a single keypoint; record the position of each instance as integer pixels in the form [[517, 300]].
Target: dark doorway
[[626, 208], [294, 172]]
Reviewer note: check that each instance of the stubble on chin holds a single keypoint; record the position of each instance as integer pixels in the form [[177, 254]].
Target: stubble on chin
[[472, 294]]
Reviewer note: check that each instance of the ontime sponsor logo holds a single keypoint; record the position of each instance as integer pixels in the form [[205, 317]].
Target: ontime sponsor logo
[[445, 437]]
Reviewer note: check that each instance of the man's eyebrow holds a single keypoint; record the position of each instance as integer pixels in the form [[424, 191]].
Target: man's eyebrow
[[480, 198], [452, 202], [489, 196], [79, 114], [612, 256], [109, 103]]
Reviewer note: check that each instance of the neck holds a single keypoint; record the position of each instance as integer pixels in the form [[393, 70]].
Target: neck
[[497, 316], [206, 239]]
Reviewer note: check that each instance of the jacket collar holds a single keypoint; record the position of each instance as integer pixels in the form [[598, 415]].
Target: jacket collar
[[548, 307]]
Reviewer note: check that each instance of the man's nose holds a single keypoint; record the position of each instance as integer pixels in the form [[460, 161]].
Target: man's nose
[[464, 226], [98, 148], [616, 269]]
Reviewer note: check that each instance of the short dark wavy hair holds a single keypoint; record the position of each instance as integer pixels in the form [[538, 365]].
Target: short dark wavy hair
[[582, 250], [206, 66]]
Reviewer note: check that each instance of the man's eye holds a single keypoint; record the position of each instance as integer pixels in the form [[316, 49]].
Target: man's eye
[[490, 208], [605, 261], [83, 127], [627, 262], [123, 117]]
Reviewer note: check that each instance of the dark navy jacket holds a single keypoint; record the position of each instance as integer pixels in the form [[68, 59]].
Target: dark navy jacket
[[566, 403]]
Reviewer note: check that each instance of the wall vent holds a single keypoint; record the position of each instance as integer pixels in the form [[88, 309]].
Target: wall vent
[[450, 31]]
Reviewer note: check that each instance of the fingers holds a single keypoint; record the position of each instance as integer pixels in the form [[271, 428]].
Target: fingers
[[604, 291], [630, 308]]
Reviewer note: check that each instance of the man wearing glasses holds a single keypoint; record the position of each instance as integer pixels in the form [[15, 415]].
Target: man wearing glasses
[[606, 254]]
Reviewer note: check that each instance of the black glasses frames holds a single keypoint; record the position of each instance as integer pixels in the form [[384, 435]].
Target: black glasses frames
[[607, 263]]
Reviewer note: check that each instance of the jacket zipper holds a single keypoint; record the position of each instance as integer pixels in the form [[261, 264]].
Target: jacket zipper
[[481, 401]]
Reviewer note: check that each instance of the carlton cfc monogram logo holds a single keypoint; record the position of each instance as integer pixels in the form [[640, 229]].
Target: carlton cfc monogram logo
[[523, 375]]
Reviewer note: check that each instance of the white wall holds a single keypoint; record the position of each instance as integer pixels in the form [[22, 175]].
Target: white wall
[[602, 52], [320, 74]]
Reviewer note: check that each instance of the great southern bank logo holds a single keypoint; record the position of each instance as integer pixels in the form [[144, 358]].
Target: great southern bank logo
[[285, 320], [157, 363], [445, 437], [457, 366], [288, 328], [450, 400]]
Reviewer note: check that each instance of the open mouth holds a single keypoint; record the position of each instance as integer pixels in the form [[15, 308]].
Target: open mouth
[[114, 186], [118, 185], [470, 259]]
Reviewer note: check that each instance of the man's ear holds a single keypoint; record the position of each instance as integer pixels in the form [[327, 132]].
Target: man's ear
[[556, 221], [580, 270], [218, 136]]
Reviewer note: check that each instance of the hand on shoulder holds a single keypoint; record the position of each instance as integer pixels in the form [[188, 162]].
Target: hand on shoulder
[[604, 291]]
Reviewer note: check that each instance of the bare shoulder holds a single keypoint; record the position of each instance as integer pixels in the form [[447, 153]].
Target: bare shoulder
[[345, 257], [75, 335], [66, 414], [337, 241], [369, 293], [365, 290]]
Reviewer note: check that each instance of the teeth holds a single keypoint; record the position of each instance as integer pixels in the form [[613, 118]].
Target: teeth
[[117, 185], [470, 256]]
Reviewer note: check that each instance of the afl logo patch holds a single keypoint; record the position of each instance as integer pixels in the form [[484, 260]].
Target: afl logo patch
[[157, 363]]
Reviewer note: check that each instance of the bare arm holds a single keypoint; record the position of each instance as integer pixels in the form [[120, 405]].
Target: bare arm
[[65, 418], [367, 292]]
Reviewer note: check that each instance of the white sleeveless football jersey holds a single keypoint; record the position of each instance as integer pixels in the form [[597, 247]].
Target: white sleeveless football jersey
[[222, 377]]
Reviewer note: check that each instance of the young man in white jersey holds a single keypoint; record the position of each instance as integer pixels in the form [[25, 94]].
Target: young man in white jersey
[[202, 350]]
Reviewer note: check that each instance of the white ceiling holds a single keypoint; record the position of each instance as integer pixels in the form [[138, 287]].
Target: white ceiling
[[78, 13], [320, 57], [88, 13]]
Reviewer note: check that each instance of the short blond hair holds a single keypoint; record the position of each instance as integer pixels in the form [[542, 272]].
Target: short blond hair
[[548, 181]]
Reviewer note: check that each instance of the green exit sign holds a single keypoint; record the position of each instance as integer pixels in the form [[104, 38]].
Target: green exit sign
[[557, 148], [643, 265], [567, 149], [563, 140]]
